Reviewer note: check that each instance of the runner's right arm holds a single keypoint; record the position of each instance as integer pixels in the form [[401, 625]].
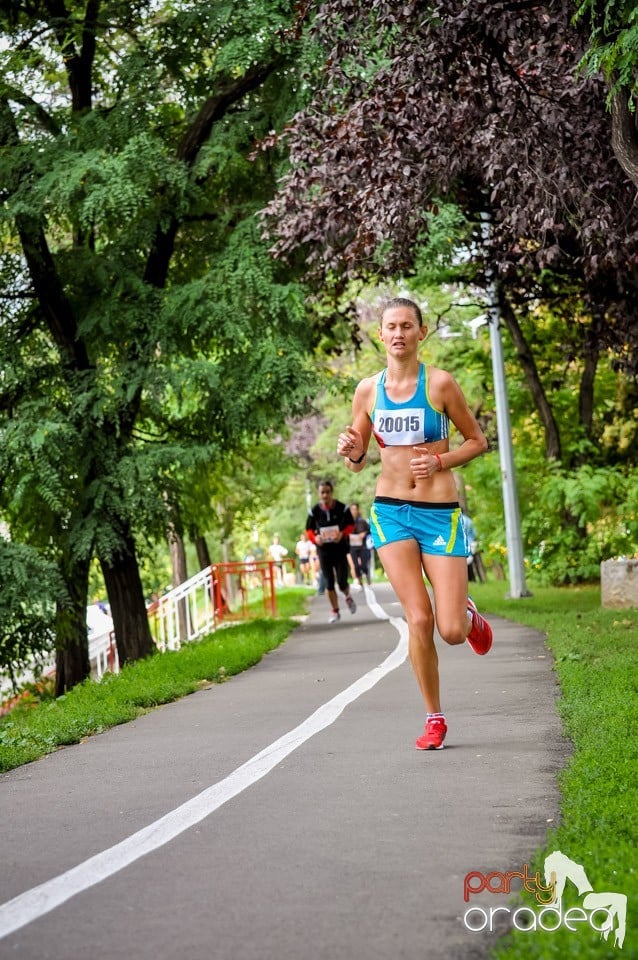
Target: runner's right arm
[[353, 443]]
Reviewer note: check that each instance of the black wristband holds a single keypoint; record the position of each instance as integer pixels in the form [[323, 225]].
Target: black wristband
[[359, 460]]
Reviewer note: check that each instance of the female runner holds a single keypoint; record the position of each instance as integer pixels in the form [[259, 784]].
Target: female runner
[[416, 518]]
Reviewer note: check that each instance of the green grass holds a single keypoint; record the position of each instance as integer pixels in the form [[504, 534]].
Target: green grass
[[38, 728], [596, 661]]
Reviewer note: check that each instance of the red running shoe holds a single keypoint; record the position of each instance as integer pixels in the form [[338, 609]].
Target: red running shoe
[[434, 734], [480, 635]]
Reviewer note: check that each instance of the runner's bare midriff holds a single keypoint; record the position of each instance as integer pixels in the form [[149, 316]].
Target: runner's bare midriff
[[397, 480]]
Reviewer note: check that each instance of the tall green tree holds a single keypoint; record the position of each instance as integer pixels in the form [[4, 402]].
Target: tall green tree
[[144, 327]]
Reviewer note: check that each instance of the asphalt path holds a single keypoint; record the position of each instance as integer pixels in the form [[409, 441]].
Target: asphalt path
[[285, 814]]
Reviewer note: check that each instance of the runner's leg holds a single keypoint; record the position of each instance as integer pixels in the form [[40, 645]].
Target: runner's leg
[[448, 576], [326, 562], [402, 563]]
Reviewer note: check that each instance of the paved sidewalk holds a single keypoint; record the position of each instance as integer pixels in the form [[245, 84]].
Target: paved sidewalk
[[354, 845]]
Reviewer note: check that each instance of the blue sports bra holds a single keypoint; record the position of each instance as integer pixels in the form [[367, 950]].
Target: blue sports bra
[[410, 422]]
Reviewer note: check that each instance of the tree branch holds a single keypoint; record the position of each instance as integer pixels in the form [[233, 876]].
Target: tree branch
[[213, 110], [48, 288], [217, 106], [79, 66], [45, 119], [528, 364], [624, 136]]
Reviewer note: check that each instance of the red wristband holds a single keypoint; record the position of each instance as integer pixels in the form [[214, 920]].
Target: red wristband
[[439, 461]]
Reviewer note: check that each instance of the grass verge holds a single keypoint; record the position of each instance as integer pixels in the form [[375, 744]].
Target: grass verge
[[596, 661], [35, 729]]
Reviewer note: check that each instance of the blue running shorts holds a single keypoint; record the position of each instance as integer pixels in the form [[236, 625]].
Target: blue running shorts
[[436, 527]]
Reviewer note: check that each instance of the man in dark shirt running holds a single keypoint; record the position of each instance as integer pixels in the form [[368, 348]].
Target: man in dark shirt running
[[328, 526]]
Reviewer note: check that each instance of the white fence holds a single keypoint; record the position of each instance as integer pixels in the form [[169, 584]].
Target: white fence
[[185, 612], [189, 611], [182, 614]]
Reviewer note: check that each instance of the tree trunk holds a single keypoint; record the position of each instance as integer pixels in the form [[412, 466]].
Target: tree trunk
[[126, 598], [180, 575], [624, 136], [586, 391], [203, 556], [528, 364], [71, 645], [591, 355], [178, 556]]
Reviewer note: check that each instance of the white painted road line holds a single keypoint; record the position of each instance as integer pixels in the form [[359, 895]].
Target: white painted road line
[[34, 903]]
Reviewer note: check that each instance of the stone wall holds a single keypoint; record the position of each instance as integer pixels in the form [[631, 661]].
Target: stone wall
[[619, 583]]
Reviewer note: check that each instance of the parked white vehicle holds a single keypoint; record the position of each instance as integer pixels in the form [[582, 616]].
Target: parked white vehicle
[[99, 626], [102, 648]]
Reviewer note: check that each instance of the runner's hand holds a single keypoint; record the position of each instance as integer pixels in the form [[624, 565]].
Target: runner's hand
[[350, 443], [424, 465]]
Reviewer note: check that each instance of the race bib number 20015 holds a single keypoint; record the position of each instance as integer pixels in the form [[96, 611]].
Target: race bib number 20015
[[400, 428]]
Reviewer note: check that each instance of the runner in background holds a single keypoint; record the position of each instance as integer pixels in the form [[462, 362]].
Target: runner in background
[[319, 580], [302, 549], [277, 552], [475, 568], [359, 551], [328, 525]]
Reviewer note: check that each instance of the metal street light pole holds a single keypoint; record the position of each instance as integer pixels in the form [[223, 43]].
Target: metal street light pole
[[513, 537]]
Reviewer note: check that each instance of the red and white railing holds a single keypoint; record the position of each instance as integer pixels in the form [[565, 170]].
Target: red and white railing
[[216, 595]]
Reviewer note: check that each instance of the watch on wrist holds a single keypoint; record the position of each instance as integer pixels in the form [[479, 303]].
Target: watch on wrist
[[359, 460]]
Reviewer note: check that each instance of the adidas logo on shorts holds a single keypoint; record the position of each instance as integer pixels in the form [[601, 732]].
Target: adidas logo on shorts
[[439, 542]]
